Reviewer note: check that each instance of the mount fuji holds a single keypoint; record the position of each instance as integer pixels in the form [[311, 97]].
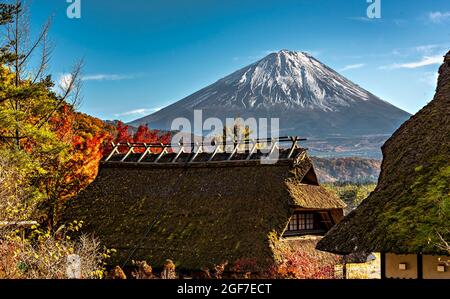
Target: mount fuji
[[310, 99]]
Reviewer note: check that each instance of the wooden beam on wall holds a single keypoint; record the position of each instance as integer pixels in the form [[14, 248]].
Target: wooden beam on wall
[[419, 266], [383, 265]]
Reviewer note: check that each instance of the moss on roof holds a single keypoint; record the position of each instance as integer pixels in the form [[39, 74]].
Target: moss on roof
[[411, 204], [196, 214], [312, 197]]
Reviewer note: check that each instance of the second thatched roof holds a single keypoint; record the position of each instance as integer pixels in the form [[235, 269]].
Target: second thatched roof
[[409, 212]]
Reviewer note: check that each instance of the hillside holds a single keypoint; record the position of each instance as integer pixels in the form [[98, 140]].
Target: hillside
[[357, 170]]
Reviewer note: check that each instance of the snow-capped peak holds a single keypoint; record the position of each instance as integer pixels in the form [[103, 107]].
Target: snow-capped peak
[[307, 97], [290, 79]]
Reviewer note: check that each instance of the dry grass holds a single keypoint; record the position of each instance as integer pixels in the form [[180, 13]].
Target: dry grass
[[46, 257], [30, 252], [368, 270], [18, 199]]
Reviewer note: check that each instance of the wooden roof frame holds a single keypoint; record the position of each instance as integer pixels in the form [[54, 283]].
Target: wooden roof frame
[[197, 148]]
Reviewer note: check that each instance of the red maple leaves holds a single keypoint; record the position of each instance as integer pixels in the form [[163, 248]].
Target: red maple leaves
[[125, 134]]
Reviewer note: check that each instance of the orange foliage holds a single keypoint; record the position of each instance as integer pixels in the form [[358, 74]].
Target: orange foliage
[[86, 140], [142, 135], [299, 264], [296, 264], [77, 167]]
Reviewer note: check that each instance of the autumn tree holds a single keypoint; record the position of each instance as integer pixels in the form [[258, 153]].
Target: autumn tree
[[38, 121], [59, 148], [143, 134]]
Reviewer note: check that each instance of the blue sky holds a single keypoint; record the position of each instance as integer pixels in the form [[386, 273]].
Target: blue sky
[[141, 55]]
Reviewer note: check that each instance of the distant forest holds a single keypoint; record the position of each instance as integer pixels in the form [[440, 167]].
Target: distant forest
[[353, 169], [351, 179]]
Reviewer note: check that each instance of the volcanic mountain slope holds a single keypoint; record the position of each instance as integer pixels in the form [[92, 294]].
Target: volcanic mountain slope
[[310, 99]]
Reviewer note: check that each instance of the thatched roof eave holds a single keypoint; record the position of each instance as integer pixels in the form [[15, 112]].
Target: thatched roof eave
[[313, 197], [211, 164]]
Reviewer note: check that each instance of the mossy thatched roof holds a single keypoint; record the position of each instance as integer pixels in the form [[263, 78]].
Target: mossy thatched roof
[[197, 214], [411, 204]]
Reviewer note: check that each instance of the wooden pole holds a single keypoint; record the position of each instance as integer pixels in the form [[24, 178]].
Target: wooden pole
[[419, 266], [383, 265]]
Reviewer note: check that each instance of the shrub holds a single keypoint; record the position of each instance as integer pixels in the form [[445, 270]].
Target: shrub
[[297, 264], [45, 256]]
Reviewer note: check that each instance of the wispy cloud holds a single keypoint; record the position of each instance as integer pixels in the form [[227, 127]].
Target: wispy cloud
[[314, 53], [430, 78], [427, 48], [107, 77], [365, 19], [64, 80], [264, 53], [352, 67], [253, 58], [140, 111], [400, 22], [268, 52], [425, 61], [439, 16]]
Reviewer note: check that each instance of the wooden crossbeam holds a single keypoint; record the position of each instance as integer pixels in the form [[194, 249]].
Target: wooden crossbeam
[[199, 147], [147, 150], [274, 145], [199, 150], [162, 153], [179, 153], [130, 151], [294, 146], [255, 146], [233, 153], [216, 150], [114, 151]]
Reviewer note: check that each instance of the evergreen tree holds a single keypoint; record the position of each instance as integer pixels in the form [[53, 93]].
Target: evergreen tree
[[39, 127]]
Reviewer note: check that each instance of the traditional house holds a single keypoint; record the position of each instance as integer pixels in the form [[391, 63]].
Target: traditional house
[[407, 217], [202, 209]]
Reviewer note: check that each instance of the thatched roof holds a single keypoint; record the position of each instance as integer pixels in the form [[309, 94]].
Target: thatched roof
[[411, 204], [198, 214]]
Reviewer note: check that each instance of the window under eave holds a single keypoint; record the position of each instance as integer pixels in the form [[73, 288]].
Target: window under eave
[[305, 223]]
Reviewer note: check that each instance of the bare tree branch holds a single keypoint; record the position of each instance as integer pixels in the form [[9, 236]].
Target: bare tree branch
[[70, 89], [41, 38], [443, 243], [18, 44], [45, 55]]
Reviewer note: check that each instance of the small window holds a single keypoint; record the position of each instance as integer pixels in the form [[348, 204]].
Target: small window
[[293, 224], [309, 221], [301, 221]]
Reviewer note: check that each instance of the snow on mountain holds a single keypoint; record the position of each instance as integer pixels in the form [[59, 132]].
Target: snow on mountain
[[310, 99], [290, 79]]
